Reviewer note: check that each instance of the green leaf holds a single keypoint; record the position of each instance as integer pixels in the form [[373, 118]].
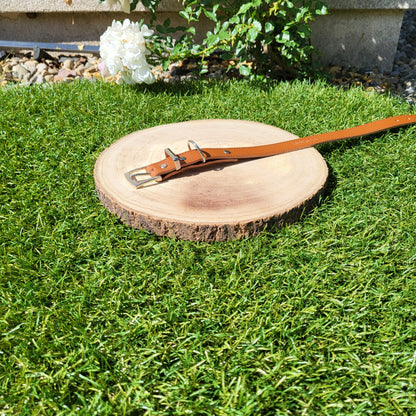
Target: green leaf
[[211, 39], [224, 35], [235, 20], [252, 35], [244, 70], [211, 15], [184, 14], [240, 50], [133, 5], [269, 27], [257, 25], [244, 8], [195, 49], [303, 31], [160, 29], [321, 8], [258, 3]]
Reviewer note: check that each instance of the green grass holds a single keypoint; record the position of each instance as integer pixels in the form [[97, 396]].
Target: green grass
[[96, 318]]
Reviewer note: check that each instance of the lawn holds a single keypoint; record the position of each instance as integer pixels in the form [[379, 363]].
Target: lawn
[[96, 318]]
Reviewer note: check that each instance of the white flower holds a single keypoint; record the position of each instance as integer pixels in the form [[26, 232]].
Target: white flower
[[125, 4], [123, 49]]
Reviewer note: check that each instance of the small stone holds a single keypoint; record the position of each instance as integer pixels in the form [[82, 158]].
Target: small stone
[[39, 54], [394, 80], [3, 55], [39, 79], [189, 77], [48, 78], [91, 70], [96, 75], [30, 63], [396, 72], [30, 68], [94, 60], [7, 66], [27, 77], [80, 69], [19, 71], [177, 70], [8, 76], [65, 74], [89, 65], [214, 75], [42, 69], [81, 62], [68, 64], [335, 70], [52, 71]]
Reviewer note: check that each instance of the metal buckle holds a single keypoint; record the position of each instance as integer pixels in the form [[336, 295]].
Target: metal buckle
[[176, 159], [131, 177], [204, 159]]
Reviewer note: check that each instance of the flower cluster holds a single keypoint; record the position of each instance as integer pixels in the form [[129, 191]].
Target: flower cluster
[[123, 50]]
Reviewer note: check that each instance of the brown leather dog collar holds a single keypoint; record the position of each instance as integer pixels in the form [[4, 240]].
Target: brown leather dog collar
[[196, 157]]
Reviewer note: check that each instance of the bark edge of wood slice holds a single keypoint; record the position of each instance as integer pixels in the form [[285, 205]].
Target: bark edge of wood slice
[[230, 201]]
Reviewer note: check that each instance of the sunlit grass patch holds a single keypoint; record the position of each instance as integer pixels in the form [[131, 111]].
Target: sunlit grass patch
[[97, 318]]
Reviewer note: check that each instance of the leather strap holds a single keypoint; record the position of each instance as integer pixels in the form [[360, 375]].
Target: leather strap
[[193, 158]]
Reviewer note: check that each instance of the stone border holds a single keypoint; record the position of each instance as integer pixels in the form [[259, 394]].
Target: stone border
[[82, 22], [78, 6], [370, 4]]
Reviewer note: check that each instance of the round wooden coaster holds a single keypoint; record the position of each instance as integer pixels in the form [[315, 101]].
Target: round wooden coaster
[[225, 202]]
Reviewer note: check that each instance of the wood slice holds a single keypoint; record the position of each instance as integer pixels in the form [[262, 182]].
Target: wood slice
[[225, 202]]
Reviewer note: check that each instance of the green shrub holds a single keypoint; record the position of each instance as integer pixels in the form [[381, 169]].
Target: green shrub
[[264, 36]]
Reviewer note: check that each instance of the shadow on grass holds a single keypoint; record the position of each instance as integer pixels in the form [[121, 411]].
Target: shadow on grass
[[327, 148], [173, 88], [194, 87]]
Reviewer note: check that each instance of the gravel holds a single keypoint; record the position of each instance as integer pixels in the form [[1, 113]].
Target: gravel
[[24, 69], [405, 63]]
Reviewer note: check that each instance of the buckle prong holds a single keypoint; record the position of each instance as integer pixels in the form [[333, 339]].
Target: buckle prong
[[204, 159], [176, 159], [131, 177]]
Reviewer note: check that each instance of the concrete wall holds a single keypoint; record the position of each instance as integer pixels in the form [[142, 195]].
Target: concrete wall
[[83, 21], [360, 33], [51, 6]]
